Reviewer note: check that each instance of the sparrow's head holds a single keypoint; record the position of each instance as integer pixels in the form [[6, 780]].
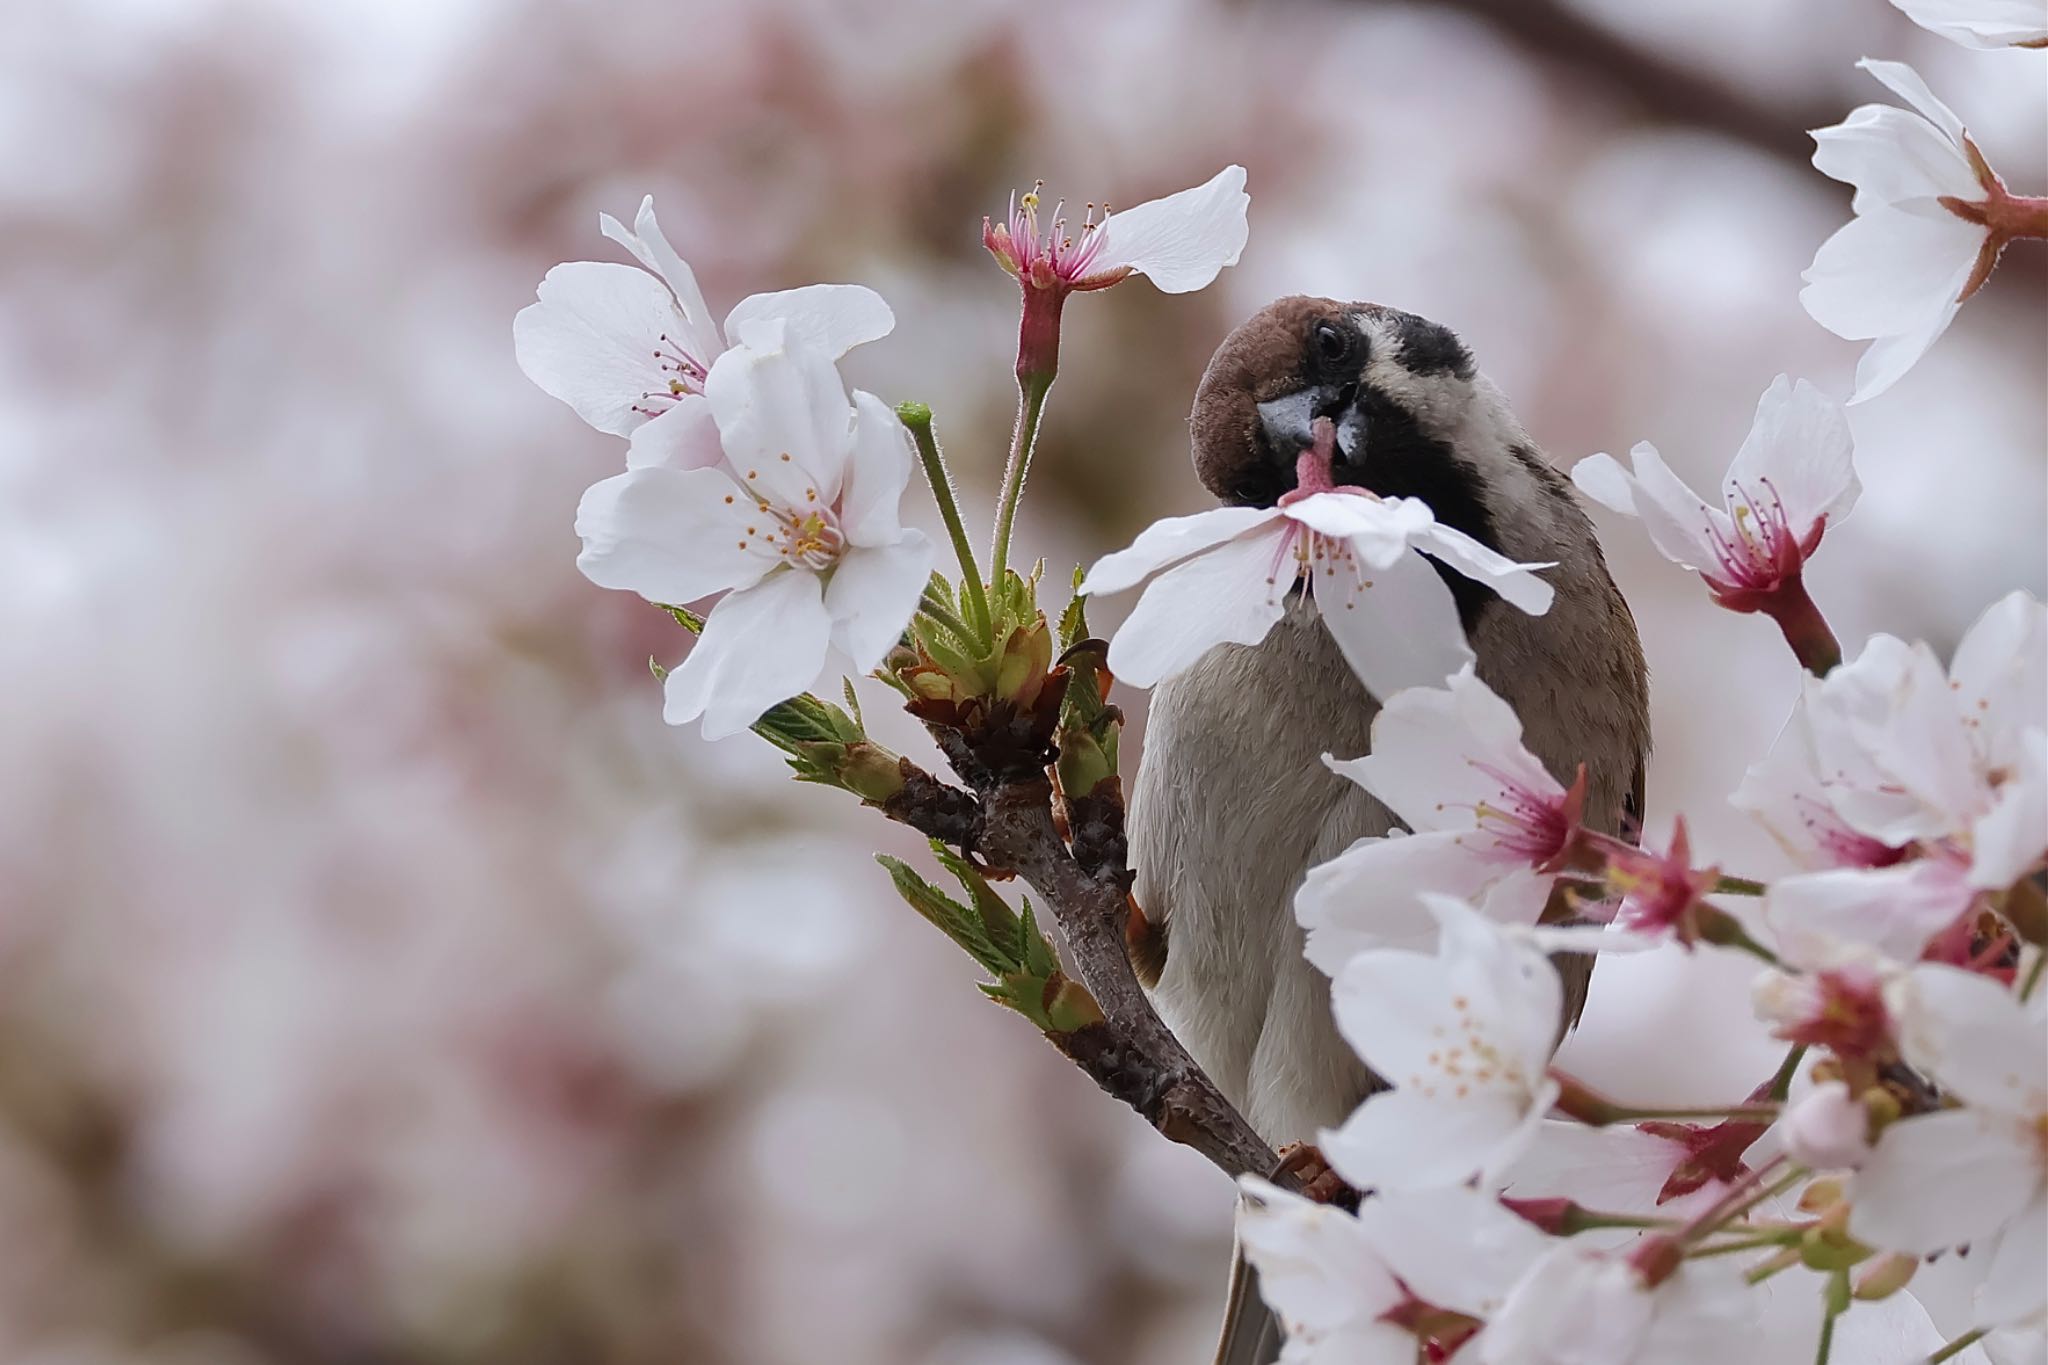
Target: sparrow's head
[[1399, 388]]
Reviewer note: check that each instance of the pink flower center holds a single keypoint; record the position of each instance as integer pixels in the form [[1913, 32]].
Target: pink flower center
[[1053, 259], [1762, 551], [684, 372], [1533, 826]]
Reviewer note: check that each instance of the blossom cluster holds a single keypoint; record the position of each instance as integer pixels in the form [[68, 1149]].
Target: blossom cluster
[[1512, 1214]]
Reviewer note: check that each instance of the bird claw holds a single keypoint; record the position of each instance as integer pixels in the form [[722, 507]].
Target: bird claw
[[1304, 1161]]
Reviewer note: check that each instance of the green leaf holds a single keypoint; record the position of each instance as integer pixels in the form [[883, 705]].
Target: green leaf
[[998, 921], [951, 918], [684, 617], [654, 666], [853, 704], [1074, 620]]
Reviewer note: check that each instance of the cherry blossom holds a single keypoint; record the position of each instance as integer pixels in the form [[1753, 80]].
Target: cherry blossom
[[1792, 478], [799, 528], [1982, 23], [1931, 217], [1586, 1305], [1978, 1174], [1224, 577], [1785, 794], [631, 349], [1463, 1037], [1180, 242], [1410, 1263], [1490, 823]]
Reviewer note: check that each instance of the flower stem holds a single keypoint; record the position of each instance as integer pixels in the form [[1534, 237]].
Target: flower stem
[[1756, 1243], [1806, 630], [1031, 391], [918, 418], [1589, 1107], [1781, 1084], [1836, 1300], [937, 610], [1739, 886], [2033, 975], [1958, 1346], [1723, 930]]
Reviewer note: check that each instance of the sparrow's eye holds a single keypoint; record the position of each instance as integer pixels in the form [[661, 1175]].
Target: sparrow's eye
[[1333, 345]]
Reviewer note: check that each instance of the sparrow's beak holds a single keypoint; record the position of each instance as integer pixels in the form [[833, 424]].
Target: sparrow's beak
[[1288, 419]]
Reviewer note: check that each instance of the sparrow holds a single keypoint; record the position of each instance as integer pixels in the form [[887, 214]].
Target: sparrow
[[1233, 804]]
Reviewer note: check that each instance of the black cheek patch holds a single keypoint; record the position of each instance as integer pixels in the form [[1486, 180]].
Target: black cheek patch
[[1430, 347], [1402, 461]]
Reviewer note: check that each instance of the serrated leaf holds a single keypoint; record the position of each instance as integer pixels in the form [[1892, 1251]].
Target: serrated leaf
[[684, 617], [951, 918], [1074, 620], [1035, 953], [998, 921], [853, 706], [654, 666]]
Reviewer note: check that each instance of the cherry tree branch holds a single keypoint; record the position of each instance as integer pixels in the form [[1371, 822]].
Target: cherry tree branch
[[1132, 1054]]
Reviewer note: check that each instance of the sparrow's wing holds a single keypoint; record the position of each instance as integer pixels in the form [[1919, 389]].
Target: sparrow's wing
[[1251, 1334]]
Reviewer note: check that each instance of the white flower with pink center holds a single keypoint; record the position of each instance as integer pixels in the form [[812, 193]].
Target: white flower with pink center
[[798, 526], [1179, 242], [631, 350], [1791, 480], [1944, 772], [1930, 219], [1490, 824], [1225, 577], [1463, 1037], [1974, 1175]]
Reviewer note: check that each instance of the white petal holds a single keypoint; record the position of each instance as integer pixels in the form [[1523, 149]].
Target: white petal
[[649, 245], [1982, 23], [1517, 584], [1895, 910], [832, 318], [871, 503], [1457, 1248], [1226, 595], [1432, 747], [1939, 1180], [2000, 671], [2011, 838], [1168, 542], [1976, 1039], [761, 646], [1575, 1306], [1893, 157], [590, 341], [1799, 448], [2017, 1287], [1890, 273], [670, 535], [1679, 521], [684, 437], [1317, 1270], [1183, 241], [873, 593], [784, 419], [1405, 1139], [1370, 895], [1903, 81], [1379, 530], [1826, 1130], [1921, 745], [1397, 627]]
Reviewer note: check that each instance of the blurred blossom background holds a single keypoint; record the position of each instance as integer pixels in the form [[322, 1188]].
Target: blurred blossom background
[[381, 982]]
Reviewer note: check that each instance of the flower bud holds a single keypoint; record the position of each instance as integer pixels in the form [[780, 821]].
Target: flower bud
[[1828, 1130]]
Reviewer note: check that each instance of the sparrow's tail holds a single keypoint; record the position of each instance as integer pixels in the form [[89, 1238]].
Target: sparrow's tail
[[1251, 1334]]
